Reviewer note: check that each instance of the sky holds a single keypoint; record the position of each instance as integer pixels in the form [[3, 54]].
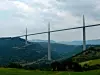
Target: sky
[[16, 15]]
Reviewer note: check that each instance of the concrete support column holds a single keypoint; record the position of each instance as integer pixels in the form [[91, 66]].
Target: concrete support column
[[49, 49], [26, 37], [84, 34]]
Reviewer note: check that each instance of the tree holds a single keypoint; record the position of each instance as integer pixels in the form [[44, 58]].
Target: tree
[[55, 66], [14, 65]]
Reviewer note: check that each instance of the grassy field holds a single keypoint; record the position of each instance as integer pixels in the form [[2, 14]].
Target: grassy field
[[8, 71], [91, 62]]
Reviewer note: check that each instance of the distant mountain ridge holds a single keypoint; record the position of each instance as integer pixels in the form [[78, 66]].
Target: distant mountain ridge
[[88, 42], [38, 40]]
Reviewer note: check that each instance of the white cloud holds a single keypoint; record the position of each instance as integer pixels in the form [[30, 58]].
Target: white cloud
[[5, 5], [43, 2], [23, 6], [35, 14]]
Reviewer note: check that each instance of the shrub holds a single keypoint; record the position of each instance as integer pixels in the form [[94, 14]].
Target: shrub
[[14, 65]]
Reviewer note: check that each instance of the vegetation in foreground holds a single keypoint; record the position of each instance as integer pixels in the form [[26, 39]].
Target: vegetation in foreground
[[9, 71]]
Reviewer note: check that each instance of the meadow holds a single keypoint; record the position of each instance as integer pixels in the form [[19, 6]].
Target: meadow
[[91, 62], [10, 71]]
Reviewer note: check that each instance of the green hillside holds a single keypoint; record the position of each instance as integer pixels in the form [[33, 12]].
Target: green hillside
[[34, 54], [91, 62], [15, 50], [8, 71], [89, 54], [89, 59]]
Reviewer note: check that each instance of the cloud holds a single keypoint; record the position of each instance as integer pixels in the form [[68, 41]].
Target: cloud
[[5, 5], [23, 6], [78, 7], [16, 15]]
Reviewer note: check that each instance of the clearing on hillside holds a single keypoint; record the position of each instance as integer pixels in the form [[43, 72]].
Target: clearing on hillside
[[91, 62]]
